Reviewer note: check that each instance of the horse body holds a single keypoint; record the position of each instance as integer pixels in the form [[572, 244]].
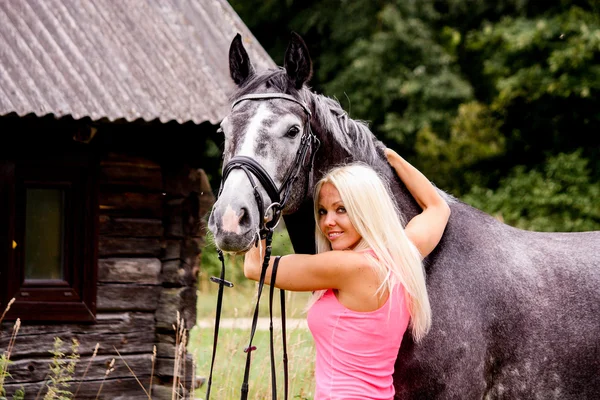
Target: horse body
[[515, 313]]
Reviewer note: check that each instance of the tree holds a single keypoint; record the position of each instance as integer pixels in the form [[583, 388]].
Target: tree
[[560, 197]]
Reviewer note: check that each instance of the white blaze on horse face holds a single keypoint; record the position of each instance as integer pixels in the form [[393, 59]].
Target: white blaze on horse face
[[230, 221], [251, 134], [276, 133]]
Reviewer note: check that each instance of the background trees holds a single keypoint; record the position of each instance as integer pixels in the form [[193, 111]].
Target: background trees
[[497, 102]]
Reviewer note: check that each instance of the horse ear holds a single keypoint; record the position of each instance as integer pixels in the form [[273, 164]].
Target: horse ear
[[297, 61], [240, 66]]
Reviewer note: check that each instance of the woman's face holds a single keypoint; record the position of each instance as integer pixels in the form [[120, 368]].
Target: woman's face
[[334, 221]]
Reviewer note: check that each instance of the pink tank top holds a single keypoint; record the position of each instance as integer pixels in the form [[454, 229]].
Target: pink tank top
[[356, 351]]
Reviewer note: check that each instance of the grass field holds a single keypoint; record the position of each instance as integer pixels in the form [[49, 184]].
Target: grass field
[[239, 302]]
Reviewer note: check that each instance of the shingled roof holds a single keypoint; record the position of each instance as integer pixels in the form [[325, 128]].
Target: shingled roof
[[115, 59]]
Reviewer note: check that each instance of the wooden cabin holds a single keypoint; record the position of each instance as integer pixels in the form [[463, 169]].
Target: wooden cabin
[[108, 114]]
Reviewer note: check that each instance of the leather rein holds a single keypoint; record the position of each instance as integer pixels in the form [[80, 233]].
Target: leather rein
[[278, 198]]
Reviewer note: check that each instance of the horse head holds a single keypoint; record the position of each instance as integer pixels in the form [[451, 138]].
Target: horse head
[[269, 146]]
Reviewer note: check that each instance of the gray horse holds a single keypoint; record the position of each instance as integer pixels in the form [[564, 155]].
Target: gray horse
[[516, 314]]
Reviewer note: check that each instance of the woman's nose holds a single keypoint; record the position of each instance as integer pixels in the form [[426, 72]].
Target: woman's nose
[[329, 219]]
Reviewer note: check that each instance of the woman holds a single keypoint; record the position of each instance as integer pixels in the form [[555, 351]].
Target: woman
[[367, 277]]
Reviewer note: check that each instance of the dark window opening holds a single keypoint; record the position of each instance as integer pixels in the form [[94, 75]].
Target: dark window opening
[[48, 234]]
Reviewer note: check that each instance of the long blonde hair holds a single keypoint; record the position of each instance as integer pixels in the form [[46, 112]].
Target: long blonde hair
[[374, 215]]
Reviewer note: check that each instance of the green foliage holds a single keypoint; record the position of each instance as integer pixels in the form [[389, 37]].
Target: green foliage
[[400, 76], [474, 138], [543, 77], [4, 363], [62, 369], [560, 197], [19, 394]]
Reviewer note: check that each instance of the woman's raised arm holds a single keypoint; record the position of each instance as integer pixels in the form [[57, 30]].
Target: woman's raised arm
[[424, 230]]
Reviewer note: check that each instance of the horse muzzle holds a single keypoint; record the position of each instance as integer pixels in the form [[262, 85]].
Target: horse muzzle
[[233, 225]]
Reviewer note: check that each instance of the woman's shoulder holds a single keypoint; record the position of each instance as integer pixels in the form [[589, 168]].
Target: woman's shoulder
[[350, 258]]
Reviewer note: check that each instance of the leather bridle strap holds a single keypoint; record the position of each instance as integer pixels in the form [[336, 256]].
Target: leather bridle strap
[[250, 348], [272, 96], [284, 336], [222, 282], [251, 167], [272, 350], [257, 170]]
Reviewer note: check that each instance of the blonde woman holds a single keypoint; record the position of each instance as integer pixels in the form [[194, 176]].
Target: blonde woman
[[367, 276]]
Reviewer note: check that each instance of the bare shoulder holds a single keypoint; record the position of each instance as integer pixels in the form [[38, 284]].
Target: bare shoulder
[[348, 258]]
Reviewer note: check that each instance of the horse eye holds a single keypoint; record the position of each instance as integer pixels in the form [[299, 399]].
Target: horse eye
[[294, 130]]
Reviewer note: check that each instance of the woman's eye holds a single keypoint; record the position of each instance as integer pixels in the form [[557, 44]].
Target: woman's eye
[[322, 212], [341, 210], [293, 131]]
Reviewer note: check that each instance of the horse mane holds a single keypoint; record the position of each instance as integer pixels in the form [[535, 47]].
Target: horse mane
[[353, 135]]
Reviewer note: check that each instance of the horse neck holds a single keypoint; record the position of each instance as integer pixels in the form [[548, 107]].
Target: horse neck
[[332, 153]]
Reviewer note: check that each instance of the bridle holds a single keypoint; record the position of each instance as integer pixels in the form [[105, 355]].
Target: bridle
[[278, 198]]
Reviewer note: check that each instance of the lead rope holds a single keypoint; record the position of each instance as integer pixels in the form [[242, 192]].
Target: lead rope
[[249, 349], [285, 373], [285, 357], [271, 346], [283, 333], [222, 282]]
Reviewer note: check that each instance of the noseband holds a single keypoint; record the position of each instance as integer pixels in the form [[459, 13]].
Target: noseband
[[278, 196]]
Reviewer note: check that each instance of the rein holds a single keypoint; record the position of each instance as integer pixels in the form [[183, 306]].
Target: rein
[[278, 198]]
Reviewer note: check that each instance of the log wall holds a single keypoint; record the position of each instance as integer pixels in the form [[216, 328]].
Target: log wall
[[151, 232]]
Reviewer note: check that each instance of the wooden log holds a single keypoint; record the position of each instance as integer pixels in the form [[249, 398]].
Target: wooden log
[[132, 227], [131, 204], [177, 273], [37, 369], [181, 181], [191, 251], [122, 297], [191, 218], [126, 170], [173, 218], [165, 368], [172, 249], [135, 270], [109, 246], [130, 332], [173, 300], [165, 350], [112, 388], [165, 347]]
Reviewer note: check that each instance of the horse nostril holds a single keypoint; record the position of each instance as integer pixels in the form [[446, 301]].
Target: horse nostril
[[244, 217]]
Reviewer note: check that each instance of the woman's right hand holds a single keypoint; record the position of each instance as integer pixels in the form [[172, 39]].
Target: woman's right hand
[[426, 229]]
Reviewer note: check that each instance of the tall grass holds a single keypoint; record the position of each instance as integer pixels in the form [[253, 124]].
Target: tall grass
[[230, 362], [238, 304]]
